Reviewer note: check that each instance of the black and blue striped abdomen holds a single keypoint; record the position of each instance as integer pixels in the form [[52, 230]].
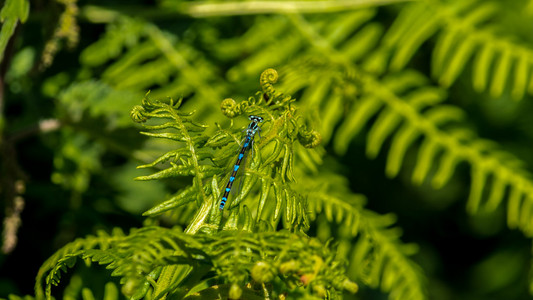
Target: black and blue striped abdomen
[[252, 129]]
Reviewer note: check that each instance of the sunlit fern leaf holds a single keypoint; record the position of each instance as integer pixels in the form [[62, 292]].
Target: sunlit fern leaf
[[343, 26], [263, 31], [277, 200], [465, 29], [359, 114], [409, 34], [362, 41], [388, 119], [415, 24], [229, 247], [185, 161], [240, 219], [136, 255], [453, 50], [345, 211], [270, 52], [440, 117], [130, 257], [409, 132], [182, 198]]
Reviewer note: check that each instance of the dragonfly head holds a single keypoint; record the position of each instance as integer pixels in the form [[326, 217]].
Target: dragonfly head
[[255, 118]]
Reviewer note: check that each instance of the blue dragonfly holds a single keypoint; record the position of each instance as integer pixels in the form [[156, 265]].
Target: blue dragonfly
[[252, 129]]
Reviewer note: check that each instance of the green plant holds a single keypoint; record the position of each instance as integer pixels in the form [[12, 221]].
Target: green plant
[[241, 251], [436, 91]]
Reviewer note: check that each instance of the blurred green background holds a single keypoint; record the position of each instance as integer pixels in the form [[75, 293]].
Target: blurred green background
[[74, 69]]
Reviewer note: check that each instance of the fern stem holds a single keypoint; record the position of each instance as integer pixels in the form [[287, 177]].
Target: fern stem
[[203, 10]]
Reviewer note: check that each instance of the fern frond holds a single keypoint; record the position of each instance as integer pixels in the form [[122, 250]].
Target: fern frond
[[275, 169], [182, 198], [272, 164], [142, 251], [286, 41], [407, 110], [185, 161], [378, 257], [64, 258], [456, 144], [464, 34], [290, 206], [156, 60], [235, 257], [406, 120]]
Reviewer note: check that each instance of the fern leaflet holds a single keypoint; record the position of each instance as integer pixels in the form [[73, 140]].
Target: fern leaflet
[[465, 31]]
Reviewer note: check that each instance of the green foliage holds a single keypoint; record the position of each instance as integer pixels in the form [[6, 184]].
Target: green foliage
[[154, 58], [142, 259], [466, 31], [377, 257], [205, 158], [50, 271], [234, 256], [12, 12], [292, 227], [97, 100], [407, 108]]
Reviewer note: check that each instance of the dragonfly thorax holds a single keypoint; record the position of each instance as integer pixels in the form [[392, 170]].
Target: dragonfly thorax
[[253, 127]]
